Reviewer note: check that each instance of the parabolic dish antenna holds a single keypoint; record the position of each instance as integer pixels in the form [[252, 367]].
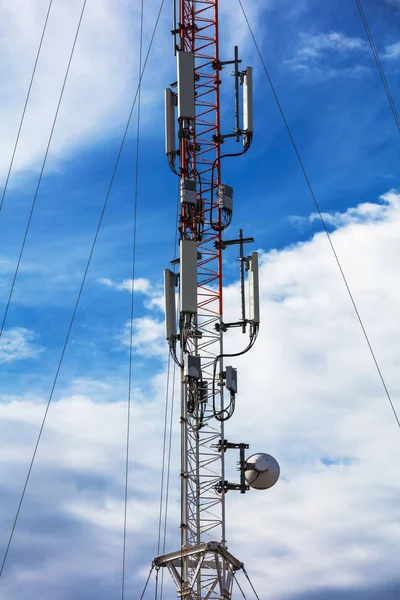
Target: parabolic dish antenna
[[262, 471]]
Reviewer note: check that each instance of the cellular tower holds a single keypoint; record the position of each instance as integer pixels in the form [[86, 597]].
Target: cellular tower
[[203, 568]]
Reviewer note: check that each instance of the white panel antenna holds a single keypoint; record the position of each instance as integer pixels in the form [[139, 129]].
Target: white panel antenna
[[170, 103], [186, 104], [170, 310], [254, 290], [188, 276], [248, 101]]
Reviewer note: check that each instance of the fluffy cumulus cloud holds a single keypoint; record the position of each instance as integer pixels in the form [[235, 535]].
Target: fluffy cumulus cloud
[[153, 294], [309, 394], [365, 212], [313, 385], [70, 542], [148, 335]]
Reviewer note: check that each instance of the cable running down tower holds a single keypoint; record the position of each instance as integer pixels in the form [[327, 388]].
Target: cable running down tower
[[203, 568]]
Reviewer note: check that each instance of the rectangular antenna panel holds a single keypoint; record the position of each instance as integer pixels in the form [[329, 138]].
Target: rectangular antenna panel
[[188, 276], [185, 63], [188, 191], [248, 100], [170, 103], [254, 290], [170, 310]]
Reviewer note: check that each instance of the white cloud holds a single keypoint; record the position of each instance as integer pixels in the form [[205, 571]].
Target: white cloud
[[74, 508], [140, 285], [102, 78], [333, 54], [154, 294], [392, 51], [148, 337], [321, 53], [313, 387], [308, 394], [18, 344], [314, 46], [364, 212]]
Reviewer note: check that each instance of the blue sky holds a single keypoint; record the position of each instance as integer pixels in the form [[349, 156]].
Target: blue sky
[[324, 398]]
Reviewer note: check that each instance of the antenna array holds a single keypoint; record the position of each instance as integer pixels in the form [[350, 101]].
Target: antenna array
[[203, 568]]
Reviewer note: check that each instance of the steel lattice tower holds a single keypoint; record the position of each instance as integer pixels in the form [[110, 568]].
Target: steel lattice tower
[[198, 32], [202, 567]]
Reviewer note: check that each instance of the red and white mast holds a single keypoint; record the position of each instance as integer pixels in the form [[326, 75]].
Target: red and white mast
[[202, 567]]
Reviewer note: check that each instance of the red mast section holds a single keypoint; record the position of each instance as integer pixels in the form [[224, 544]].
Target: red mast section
[[200, 147]]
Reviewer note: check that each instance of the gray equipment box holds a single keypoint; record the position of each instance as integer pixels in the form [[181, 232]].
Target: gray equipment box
[[191, 366], [225, 197], [231, 379], [188, 191]]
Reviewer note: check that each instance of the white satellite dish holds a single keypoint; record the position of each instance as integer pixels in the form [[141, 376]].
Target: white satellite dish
[[262, 472]]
